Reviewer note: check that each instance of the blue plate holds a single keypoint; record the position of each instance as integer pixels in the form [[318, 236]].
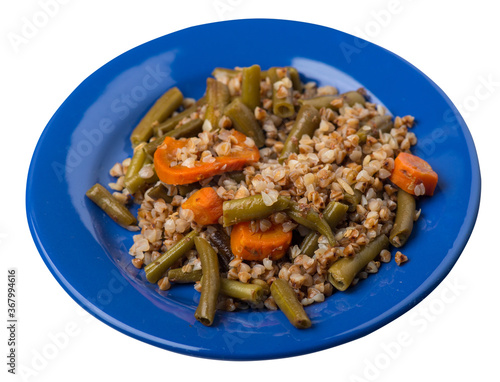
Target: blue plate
[[88, 254]]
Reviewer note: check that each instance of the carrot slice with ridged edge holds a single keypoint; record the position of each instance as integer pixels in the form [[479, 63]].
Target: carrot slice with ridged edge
[[206, 206], [256, 246], [411, 171], [165, 154]]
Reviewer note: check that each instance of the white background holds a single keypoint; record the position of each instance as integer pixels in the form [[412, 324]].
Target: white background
[[452, 335]]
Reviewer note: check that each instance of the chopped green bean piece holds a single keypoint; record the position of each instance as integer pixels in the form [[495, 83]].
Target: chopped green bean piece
[[160, 111], [250, 208], [282, 105], [376, 126], [250, 87], [264, 285], [244, 121], [287, 301], [334, 213], [237, 176], [151, 147], [343, 271], [307, 122], [242, 291], [172, 122], [225, 72], [319, 101], [353, 97], [350, 98], [405, 214], [159, 192], [210, 282], [136, 163], [310, 244], [107, 202], [137, 182], [177, 275], [353, 200], [157, 268], [185, 189], [217, 99], [384, 124], [310, 219], [187, 130], [295, 77]]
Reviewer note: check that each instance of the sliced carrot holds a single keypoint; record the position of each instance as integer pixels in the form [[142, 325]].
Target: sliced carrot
[[206, 206], [411, 171], [165, 154], [256, 246]]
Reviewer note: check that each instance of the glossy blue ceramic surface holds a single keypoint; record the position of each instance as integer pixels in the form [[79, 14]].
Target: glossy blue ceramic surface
[[88, 254]]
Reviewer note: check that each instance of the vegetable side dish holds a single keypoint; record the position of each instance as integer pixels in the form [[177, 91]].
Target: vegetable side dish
[[267, 192]]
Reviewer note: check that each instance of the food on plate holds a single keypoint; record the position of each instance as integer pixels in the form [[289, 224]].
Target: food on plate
[[414, 175], [116, 210], [268, 192]]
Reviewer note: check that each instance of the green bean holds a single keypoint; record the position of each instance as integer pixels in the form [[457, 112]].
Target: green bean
[[157, 268], [350, 98], [210, 282], [177, 275], [151, 147], [343, 271], [220, 240], [310, 219], [225, 72], [250, 87], [136, 163], [287, 301], [217, 99], [189, 129], [244, 121], [233, 97], [310, 244], [242, 291], [172, 122], [107, 202], [363, 134], [160, 111], [319, 101], [383, 124], [160, 192], [282, 106], [264, 285], [307, 122], [403, 225], [378, 125], [334, 213], [353, 200], [250, 208], [136, 181], [353, 97], [185, 189], [295, 77], [237, 176]]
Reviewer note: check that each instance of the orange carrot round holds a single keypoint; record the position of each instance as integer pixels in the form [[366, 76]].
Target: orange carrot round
[[206, 206], [256, 246], [165, 154], [411, 171]]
